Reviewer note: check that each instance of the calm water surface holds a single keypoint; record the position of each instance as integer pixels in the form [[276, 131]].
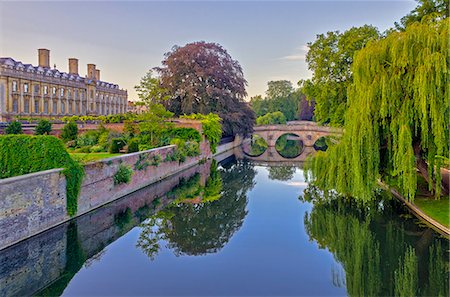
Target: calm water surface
[[267, 233]]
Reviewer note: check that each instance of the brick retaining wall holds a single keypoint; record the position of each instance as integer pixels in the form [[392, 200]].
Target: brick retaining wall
[[33, 203]]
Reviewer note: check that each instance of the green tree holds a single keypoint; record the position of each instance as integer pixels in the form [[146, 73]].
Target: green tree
[[150, 90], [69, 131], [271, 118], [398, 115], [152, 125], [43, 127], [259, 105], [279, 89], [425, 8], [15, 127], [330, 58]]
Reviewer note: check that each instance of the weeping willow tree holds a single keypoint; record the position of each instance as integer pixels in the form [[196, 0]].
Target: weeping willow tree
[[398, 115]]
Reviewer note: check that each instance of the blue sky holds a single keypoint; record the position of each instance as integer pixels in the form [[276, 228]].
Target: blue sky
[[125, 39]]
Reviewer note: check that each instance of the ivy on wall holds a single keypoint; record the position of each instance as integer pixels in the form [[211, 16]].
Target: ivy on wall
[[212, 129], [23, 154]]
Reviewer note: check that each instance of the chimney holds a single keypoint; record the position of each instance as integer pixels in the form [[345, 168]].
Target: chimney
[[97, 74], [44, 57], [91, 70], [73, 66]]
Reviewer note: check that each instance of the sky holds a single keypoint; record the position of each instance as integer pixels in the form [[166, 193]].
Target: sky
[[125, 39]]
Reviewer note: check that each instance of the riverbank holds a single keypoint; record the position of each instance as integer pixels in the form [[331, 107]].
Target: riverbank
[[33, 203], [419, 213]]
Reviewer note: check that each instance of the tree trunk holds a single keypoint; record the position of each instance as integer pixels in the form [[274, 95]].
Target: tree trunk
[[422, 166]]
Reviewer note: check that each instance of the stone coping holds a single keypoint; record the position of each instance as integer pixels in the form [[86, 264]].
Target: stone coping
[[441, 229], [12, 179], [130, 154]]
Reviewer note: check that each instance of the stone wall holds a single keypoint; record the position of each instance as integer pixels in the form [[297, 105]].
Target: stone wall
[[30, 204], [33, 203], [33, 264], [98, 186]]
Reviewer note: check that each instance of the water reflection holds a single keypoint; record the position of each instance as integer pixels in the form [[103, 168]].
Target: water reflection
[[283, 173], [382, 255], [289, 146], [194, 225], [377, 249]]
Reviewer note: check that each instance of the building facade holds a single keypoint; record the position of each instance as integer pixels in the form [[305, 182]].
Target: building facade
[[39, 91]]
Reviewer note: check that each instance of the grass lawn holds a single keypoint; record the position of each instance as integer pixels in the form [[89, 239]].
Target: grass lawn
[[90, 157], [437, 209]]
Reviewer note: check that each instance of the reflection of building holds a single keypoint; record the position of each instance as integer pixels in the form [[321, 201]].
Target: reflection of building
[[27, 90], [136, 108]]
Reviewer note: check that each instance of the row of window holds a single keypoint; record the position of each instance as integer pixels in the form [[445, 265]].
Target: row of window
[[72, 108], [62, 91]]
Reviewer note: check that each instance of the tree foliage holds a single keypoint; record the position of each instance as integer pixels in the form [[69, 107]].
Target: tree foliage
[[211, 126], [306, 109], [69, 131], [203, 78], [398, 115], [15, 127], [425, 8], [330, 58], [280, 97], [150, 91], [271, 118], [43, 127]]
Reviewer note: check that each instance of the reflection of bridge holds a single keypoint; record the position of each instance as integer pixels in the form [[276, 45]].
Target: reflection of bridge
[[272, 157], [307, 132]]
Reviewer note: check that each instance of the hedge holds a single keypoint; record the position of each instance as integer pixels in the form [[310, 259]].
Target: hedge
[[23, 154]]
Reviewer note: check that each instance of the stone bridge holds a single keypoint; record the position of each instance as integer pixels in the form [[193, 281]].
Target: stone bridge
[[308, 132]]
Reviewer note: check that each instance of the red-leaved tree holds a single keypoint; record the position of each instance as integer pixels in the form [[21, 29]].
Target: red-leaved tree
[[202, 77]]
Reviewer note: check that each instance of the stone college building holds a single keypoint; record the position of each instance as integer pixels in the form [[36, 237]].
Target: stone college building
[[39, 91]]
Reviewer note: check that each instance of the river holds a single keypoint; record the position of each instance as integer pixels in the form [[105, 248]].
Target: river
[[234, 228]]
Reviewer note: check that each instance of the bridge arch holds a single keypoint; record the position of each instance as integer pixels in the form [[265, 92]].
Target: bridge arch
[[308, 132], [294, 147]]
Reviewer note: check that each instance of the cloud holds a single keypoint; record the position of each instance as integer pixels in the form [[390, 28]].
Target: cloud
[[298, 55]]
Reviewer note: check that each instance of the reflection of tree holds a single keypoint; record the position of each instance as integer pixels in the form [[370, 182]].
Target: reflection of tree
[[283, 173], [196, 229], [214, 185], [288, 148], [370, 239], [257, 146]]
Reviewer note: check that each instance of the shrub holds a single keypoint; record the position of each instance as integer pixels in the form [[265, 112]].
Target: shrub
[[141, 163], [69, 132], [123, 175], [156, 160], [192, 149], [187, 134], [186, 149], [23, 154], [96, 149], [133, 146], [88, 138], [43, 127], [116, 145], [212, 129], [14, 127], [130, 127]]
